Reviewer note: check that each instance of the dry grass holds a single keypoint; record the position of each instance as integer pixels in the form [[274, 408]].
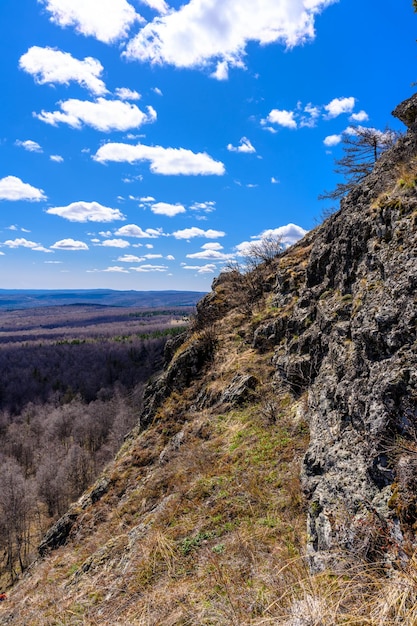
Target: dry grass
[[204, 521]]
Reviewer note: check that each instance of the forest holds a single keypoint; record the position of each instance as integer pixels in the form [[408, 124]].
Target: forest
[[71, 386]]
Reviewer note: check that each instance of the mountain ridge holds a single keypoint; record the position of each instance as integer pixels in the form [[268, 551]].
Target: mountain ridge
[[308, 361]]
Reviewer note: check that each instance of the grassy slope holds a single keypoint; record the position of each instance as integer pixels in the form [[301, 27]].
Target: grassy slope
[[207, 526], [204, 522]]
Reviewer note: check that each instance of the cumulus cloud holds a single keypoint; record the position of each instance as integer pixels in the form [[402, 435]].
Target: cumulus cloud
[[281, 118], [108, 22], [29, 145], [222, 71], [12, 188], [190, 233], [117, 269], [130, 258], [244, 146], [24, 243], [104, 115], [158, 5], [86, 212], [310, 116], [115, 243], [206, 207], [340, 105], [132, 230], [170, 210], [127, 94], [57, 158], [209, 268], [167, 161], [289, 234], [203, 31], [69, 244], [212, 245], [49, 66], [210, 255], [149, 268], [332, 140], [361, 116]]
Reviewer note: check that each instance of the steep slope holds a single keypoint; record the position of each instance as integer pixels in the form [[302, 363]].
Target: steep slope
[[310, 357]]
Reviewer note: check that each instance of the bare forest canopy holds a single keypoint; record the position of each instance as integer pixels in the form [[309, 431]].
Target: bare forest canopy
[[24, 298], [71, 387]]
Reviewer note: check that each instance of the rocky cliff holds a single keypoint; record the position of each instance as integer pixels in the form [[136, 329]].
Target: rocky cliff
[[306, 365]]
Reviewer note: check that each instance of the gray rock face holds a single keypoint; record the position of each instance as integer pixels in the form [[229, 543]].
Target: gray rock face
[[351, 345], [407, 111]]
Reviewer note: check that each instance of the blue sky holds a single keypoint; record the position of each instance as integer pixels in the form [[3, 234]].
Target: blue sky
[[144, 143]]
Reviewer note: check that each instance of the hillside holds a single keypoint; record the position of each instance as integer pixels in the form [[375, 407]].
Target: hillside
[[272, 477]]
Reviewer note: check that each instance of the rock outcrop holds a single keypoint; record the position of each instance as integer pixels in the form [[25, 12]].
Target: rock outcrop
[[321, 341], [355, 355]]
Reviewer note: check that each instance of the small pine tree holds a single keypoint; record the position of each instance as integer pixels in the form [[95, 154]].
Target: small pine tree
[[362, 148]]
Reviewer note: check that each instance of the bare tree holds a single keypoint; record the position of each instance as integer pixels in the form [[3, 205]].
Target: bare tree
[[16, 504], [362, 148], [264, 250]]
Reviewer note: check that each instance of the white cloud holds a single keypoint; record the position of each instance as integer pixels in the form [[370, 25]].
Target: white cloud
[[130, 258], [118, 269], [312, 114], [69, 244], [131, 230], [289, 234], [12, 188], [149, 268], [332, 140], [170, 210], [362, 116], [24, 243], [206, 207], [115, 243], [222, 71], [57, 158], [274, 180], [282, 118], [190, 233], [213, 245], [159, 5], [147, 199], [210, 255], [157, 91], [127, 94], [29, 145], [14, 227], [49, 66], [104, 115], [167, 161], [244, 146], [201, 31], [339, 105], [107, 22], [86, 212], [209, 268]]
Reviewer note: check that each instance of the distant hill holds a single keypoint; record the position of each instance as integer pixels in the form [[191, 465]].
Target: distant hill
[[11, 299]]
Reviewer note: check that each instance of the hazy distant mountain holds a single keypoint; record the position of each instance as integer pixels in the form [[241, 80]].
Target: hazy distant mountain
[[24, 298]]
